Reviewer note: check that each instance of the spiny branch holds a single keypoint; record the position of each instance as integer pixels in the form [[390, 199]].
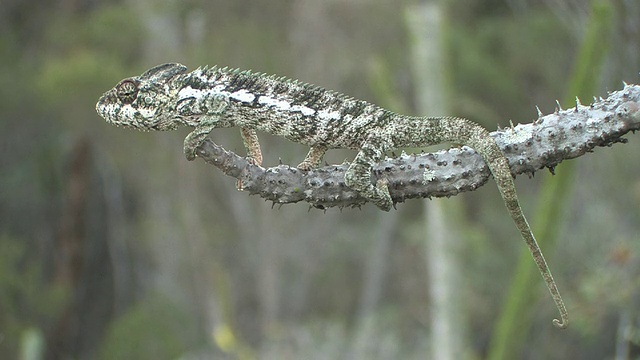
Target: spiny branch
[[544, 143]]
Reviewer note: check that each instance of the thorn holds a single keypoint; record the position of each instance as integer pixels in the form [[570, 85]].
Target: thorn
[[511, 124], [595, 99], [558, 105], [624, 84], [280, 161], [540, 114], [552, 169]]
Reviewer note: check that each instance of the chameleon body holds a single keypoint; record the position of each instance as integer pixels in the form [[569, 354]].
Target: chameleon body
[[167, 96]]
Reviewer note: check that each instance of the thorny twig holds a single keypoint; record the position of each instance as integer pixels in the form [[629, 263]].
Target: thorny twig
[[544, 143]]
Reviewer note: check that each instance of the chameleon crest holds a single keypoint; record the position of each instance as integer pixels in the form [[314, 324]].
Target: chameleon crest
[[167, 96]]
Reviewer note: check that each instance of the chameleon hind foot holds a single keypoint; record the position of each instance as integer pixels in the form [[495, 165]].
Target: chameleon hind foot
[[378, 194]]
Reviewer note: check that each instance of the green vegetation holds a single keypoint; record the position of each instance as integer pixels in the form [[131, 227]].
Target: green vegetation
[[113, 246]]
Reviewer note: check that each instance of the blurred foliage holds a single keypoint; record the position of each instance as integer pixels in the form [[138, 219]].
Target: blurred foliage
[[100, 31], [156, 228], [154, 328], [28, 299], [496, 58], [86, 54]]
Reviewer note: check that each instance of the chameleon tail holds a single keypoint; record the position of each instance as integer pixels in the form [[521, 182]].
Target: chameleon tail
[[480, 140]]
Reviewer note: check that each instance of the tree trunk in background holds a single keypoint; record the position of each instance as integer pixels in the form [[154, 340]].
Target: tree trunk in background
[[182, 269], [167, 249], [364, 340], [426, 25]]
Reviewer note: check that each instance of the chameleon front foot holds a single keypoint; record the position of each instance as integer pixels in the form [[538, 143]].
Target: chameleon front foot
[[190, 146], [190, 153], [195, 139]]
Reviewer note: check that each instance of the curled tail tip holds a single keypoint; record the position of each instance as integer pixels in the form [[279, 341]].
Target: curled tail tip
[[561, 324]]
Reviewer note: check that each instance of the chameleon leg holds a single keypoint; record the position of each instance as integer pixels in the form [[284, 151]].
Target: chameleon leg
[[250, 140], [358, 175], [313, 158], [194, 139]]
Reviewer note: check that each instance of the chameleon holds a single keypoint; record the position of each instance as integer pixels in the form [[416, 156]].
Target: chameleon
[[167, 96]]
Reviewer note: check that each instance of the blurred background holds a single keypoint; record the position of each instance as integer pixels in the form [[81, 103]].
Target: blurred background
[[113, 246]]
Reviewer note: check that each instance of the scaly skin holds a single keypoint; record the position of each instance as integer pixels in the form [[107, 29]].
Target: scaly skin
[[167, 96]]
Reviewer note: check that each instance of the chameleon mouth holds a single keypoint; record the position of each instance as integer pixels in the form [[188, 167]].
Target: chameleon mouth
[[104, 106], [113, 112]]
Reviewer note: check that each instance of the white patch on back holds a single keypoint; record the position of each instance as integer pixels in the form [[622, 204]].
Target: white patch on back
[[246, 96], [329, 115], [303, 109], [243, 95], [279, 104], [284, 105]]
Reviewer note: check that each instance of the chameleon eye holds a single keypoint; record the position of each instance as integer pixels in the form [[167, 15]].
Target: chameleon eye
[[127, 91]]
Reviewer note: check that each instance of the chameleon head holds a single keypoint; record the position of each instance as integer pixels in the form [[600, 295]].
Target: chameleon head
[[143, 102]]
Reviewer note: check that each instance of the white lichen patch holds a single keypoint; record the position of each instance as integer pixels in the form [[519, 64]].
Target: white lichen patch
[[427, 176], [517, 135]]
